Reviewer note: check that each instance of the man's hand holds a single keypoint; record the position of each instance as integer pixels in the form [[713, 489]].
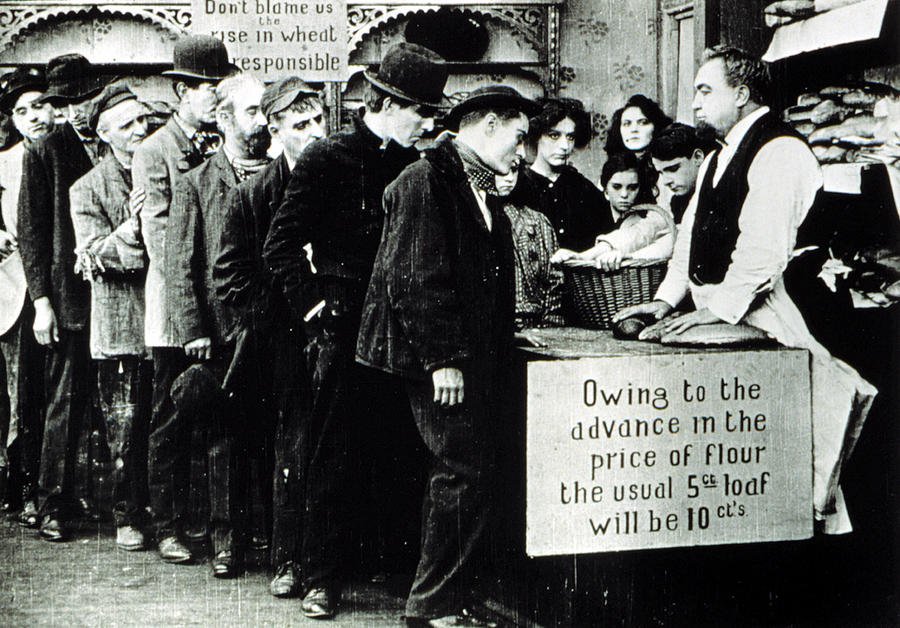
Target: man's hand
[[448, 386], [680, 324], [199, 349], [609, 260], [46, 331], [563, 255], [657, 309], [8, 244], [136, 201]]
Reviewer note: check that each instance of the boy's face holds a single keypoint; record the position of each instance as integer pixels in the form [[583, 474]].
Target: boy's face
[[679, 174]]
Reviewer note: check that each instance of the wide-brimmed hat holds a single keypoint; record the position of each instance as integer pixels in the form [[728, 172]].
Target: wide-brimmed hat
[[281, 94], [411, 72], [200, 57], [71, 78], [490, 96], [21, 80]]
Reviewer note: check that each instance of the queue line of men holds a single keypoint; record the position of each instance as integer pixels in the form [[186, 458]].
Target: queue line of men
[[190, 247]]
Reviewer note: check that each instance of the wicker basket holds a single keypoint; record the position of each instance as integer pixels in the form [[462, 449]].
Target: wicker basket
[[596, 295]]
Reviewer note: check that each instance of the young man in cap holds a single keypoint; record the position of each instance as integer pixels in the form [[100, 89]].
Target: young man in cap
[[333, 202], [265, 338], [677, 153], [163, 159], [61, 299], [444, 262], [111, 256], [204, 327], [734, 244], [21, 97]]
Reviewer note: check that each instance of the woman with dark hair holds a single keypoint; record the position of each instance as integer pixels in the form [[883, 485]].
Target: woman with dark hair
[[643, 231], [574, 205], [634, 126]]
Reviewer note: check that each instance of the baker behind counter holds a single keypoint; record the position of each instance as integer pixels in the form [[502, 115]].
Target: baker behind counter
[[733, 245]]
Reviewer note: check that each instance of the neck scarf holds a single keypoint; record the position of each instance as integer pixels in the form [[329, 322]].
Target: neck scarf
[[480, 176], [244, 168]]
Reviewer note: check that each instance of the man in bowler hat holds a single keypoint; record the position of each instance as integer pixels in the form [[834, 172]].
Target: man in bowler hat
[[439, 312], [111, 256], [61, 299], [21, 99], [160, 162], [333, 202], [264, 338]]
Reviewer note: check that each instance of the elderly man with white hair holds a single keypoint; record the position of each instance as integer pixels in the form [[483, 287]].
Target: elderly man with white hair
[[203, 324], [111, 256]]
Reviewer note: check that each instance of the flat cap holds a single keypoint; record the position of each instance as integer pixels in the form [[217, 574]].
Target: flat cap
[[282, 94]]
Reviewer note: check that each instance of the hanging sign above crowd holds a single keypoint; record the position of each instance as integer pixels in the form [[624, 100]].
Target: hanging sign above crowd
[[668, 450], [277, 38]]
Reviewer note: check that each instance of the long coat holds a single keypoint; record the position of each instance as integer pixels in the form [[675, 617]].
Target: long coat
[[105, 230], [46, 235], [160, 161], [442, 290], [192, 243]]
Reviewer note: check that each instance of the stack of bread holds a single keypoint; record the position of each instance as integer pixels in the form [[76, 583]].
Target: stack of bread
[[837, 121]]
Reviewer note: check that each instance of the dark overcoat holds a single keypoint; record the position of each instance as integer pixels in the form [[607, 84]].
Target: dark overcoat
[[46, 234], [196, 220], [442, 291]]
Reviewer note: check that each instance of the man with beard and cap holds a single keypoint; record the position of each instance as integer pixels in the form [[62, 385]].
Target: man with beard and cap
[[333, 203], [163, 159], [61, 298], [111, 256], [735, 241], [204, 327], [265, 338], [440, 313], [33, 118]]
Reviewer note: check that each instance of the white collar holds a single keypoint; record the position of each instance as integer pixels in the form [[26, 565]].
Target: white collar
[[739, 130]]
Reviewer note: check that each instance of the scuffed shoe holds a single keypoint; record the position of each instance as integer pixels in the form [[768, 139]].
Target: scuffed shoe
[[129, 538], [53, 530], [29, 518], [286, 580], [319, 603], [227, 564], [172, 550], [464, 618]]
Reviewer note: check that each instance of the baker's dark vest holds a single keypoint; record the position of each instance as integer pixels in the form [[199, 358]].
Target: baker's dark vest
[[716, 230]]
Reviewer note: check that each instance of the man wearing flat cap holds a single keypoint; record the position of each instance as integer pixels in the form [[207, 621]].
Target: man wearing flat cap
[[111, 256], [204, 326], [333, 203], [160, 162], [264, 337], [439, 313], [61, 298], [21, 99]]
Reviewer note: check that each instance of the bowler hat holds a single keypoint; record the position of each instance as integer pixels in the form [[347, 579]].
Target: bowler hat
[[411, 72], [19, 81], [490, 96], [71, 78], [281, 94], [200, 57]]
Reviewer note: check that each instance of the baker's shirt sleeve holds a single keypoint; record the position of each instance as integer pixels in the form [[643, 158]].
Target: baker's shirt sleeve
[[783, 180]]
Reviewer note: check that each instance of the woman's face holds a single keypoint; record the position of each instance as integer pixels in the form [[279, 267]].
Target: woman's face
[[636, 129], [622, 189], [556, 145]]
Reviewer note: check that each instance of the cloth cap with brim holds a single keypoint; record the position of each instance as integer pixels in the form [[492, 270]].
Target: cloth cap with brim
[[200, 57], [282, 94], [18, 82], [490, 97], [71, 79], [411, 72], [111, 96]]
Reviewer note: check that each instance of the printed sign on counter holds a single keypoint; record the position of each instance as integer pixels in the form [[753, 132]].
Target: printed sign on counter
[[277, 38], [668, 450]]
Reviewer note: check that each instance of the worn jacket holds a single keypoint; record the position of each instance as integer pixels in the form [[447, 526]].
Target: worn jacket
[[442, 290], [46, 235], [192, 243], [159, 163], [333, 202], [105, 232]]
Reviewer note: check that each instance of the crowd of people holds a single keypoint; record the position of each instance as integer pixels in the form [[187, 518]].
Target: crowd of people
[[299, 309]]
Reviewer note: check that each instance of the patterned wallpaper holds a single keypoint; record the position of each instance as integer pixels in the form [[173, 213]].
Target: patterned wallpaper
[[608, 52]]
